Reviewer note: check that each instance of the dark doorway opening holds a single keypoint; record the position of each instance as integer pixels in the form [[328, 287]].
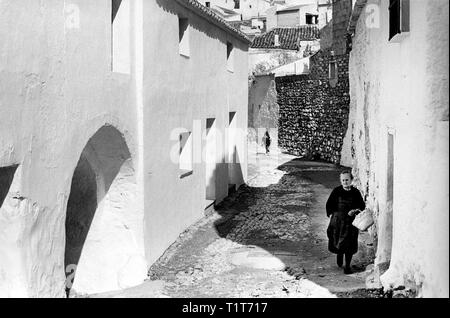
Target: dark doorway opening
[[232, 152], [390, 197]]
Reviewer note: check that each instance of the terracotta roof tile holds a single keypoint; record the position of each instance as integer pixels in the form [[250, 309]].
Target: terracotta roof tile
[[289, 38], [213, 17]]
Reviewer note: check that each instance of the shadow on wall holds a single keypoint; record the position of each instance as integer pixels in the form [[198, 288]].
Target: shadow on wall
[[115, 8], [6, 178], [104, 225], [236, 177], [217, 172], [263, 111], [81, 207]]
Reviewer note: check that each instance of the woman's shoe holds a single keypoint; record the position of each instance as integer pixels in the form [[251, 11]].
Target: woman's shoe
[[348, 270]]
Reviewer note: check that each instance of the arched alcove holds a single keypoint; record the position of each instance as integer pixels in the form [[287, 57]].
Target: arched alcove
[[104, 225]]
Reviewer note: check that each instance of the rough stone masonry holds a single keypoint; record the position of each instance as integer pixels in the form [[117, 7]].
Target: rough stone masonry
[[313, 113]]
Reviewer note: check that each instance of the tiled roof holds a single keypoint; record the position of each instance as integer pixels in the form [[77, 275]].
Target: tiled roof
[[288, 38], [212, 17]]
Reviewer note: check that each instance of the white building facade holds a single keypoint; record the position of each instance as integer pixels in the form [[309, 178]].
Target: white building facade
[[397, 141], [119, 124]]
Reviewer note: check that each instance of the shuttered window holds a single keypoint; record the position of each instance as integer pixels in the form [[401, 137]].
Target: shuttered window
[[183, 37], [398, 17], [230, 57]]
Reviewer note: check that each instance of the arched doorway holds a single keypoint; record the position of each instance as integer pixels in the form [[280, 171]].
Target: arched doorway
[[104, 226]]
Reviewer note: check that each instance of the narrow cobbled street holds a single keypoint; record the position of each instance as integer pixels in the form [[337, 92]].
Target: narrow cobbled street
[[268, 239]]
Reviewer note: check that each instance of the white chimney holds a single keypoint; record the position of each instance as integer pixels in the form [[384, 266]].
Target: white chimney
[[277, 40]]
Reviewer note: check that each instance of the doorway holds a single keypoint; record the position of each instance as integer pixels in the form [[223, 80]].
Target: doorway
[[386, 216], [389, 196], [232, 151], [210, 161]]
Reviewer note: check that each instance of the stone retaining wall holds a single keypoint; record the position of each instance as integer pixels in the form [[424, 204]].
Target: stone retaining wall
[[313, 113]]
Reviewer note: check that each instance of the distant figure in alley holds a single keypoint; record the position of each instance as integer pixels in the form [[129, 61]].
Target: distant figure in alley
[[344, 203], [266, 141]]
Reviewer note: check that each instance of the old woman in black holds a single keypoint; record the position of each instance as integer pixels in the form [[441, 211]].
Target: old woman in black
[[343, 204]]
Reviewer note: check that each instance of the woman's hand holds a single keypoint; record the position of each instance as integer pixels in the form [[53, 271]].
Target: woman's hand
[[353, 212]]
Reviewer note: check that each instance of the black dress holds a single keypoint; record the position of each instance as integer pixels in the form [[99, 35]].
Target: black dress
[[267, 141], [342, 235]]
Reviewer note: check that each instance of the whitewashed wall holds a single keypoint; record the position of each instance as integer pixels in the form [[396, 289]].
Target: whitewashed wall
[[402, 88], [58, 90]]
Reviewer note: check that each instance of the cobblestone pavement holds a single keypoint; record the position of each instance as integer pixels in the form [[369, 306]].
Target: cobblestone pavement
[[266, 240]]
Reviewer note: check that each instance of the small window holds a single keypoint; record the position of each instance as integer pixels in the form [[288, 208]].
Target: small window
[[232, 137], [185, 163], [311, 19], [6, 179], [230, 57], [398, 19], [333, 73], [115, 4], [237, 4], [183, 28], [207, 4]]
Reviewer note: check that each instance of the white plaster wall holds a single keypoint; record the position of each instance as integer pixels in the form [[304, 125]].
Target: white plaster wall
[[295, 68], [182, 92], [403, 88], [300, 2], [271, 57], [57, 90], [271, 20], [289, 18], [312, 9], [253, 8]]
